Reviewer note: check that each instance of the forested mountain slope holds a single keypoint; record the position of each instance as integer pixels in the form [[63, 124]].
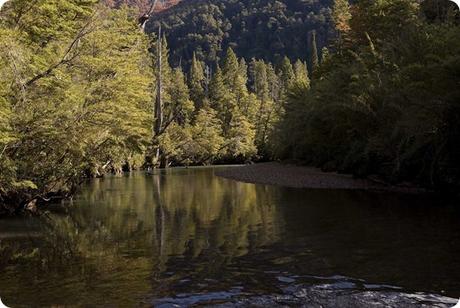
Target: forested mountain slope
[[264, 29]]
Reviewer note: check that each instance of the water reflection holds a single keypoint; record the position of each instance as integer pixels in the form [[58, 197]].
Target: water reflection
[[115, 242], [137, 238]]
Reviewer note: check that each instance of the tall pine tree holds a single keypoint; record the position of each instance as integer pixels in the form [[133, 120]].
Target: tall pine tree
[[197, 82], [314, 52]]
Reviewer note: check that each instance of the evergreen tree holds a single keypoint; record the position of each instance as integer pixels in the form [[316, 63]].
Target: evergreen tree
[[314, 52], [243, 71], [222, 99], [208, 142], [301, 74], [274, 83], [287, 74], [218, 92], [251, 75], [240, 89], [263, 118], [241, 138], [261, 85], [182, 107], [230, 69], [197, 82]]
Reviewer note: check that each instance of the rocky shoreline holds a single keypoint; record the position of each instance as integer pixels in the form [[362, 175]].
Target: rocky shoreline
[[288, 175]]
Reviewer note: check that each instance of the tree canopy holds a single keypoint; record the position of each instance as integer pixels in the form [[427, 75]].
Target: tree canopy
[[386, 102], [263, 29]]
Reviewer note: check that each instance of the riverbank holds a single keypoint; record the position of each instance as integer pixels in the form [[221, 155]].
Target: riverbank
[[289, 175]]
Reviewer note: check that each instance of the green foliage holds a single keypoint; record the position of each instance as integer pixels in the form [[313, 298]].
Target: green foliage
[[386, 104], [207, 136], [75, 95], [262, 29], [197, 81], [287, 73], [301, 73], [77, 83], [210, 128]]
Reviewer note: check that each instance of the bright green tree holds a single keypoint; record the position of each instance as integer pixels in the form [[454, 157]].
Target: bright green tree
[[287, 74], [301, 74], [230, 69], [197, 82], [78, 93]]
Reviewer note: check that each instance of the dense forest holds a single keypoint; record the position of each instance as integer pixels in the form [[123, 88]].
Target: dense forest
[[263, 29], [370, 89], [74, 96], [386, 102]]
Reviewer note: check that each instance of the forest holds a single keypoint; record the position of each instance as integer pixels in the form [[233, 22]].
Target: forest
[[370, 89], [262, 29]]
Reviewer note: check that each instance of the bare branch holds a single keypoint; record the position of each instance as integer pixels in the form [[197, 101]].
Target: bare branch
[[69, 55]]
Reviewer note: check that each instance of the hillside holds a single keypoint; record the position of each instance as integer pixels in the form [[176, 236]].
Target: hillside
[[263, 29]]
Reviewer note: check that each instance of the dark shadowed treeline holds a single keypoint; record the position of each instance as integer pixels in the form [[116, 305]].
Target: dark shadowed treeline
[[386, 102]]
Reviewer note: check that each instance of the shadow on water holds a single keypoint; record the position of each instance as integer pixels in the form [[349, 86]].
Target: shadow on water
[[189, 235]]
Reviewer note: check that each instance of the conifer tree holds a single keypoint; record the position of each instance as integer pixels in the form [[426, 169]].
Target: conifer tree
[[241, 137], [301, 74], [182, 107], [251, 74], [287, 74], [208, 142], [197, 82], [230, 68], [274, 83], [243, 71], [218, 91], [261, 85], [235, 79], [263, 118], [240, 89], [314, 52]]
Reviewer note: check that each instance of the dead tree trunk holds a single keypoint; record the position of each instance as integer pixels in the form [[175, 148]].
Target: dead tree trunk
[[158, 159], [158, 112], [144, 18]]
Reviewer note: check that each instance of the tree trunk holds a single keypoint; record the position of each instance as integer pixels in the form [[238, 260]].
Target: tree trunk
[[158, 110]]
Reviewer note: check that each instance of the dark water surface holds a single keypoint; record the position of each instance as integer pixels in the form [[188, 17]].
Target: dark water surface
[[187, 236]]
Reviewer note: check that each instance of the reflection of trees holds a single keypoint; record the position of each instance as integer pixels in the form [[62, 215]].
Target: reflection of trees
[[123, 232], [160, 223]]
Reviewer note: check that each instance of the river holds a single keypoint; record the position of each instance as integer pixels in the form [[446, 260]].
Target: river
[[185, 236]]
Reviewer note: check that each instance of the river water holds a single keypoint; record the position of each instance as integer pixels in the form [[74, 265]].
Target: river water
[[184, 236]]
